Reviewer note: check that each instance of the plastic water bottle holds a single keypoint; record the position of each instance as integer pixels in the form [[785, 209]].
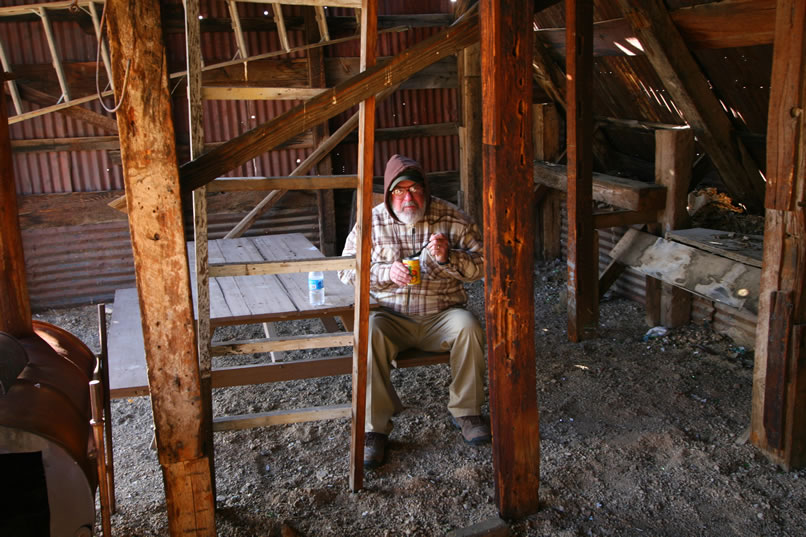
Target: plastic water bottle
[[316, 288]]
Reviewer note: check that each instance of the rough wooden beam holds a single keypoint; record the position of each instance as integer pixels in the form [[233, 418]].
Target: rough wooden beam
[[151, 176], [778, 420], [325, 200], [15, 306], [50, 145], [672, 60], [470, 163], [674, 160], [78, 112], [583, 268], [548, 217], [506, 54], [328, 104], [618, 191], [725, 24], [363, 229]]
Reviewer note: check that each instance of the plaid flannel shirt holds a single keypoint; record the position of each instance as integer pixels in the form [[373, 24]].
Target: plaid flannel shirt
[[442, 286]]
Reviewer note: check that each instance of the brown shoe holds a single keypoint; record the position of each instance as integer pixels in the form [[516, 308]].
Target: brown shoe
[[474, 429], [374, 450]]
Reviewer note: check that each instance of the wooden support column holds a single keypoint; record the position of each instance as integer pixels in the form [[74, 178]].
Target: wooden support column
[[548, 240], [778, 421], [316, 79], [148, 153], [470, 164], [506, 57], [366, 162], [583, 267], [196, 129], [15, 306], [674, 160]]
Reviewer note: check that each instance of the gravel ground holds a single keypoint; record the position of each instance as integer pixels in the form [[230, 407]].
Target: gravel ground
[[637, 438]]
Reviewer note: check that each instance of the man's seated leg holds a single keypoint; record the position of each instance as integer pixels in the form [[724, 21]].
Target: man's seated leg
[[388, 333], [458, 330]]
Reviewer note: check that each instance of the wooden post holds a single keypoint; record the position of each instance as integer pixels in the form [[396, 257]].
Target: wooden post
[[548, 240], [583, 269], [15, 306], [366, 150], [506, 57], [674, 159], [316, 79], [148, 153], [778, 421], [470, 133], [196, 128]]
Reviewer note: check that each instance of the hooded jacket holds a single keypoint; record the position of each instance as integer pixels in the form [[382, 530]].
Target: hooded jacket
[[442, 286]]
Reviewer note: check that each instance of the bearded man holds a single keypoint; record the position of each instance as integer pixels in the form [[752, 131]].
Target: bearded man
[[422, 308]]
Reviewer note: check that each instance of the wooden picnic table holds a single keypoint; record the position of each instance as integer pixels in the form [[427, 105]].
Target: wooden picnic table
[[234, 300]]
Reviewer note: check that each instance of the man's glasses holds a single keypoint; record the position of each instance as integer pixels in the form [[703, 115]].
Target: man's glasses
[[413, 190]]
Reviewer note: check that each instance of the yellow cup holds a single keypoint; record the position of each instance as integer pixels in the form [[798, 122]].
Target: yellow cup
[[413, 264]]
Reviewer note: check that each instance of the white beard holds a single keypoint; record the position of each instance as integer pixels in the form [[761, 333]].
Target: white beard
[[411, 218]]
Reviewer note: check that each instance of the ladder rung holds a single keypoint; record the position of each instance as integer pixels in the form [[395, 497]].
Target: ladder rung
[[281, 417], [282, 267], [290, 343]]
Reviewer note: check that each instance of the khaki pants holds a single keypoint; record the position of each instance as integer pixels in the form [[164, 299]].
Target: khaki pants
[[455, 329]]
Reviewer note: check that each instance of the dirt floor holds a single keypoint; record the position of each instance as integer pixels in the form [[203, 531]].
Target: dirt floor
[[638, 437]]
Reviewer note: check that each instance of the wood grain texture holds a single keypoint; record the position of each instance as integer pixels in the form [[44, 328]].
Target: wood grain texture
[[148, 151], [583, 266], [674, 161], [618, 191], [15, 305], [784, 263], [366, 162], [506, 54]]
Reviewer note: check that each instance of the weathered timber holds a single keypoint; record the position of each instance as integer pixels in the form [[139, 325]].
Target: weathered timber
[[78, 112], [326, 105], [193, 55], [726, 24], [674, 159], [784, 270], [15, 305], [548, 217], [708, 275], [151, 176], [305, 182], [672, 60], [410, 131], [747, 249], [316, 29], [506, 56], [583, 266], [50, 145], [618, 191], [470, 154], [623, 218], [366, 162]]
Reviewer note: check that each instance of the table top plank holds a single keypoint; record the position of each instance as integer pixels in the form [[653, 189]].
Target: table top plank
[[261, 293]]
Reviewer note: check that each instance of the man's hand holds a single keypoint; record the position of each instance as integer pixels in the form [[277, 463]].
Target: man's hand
[[399, 274], [440, 247]]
